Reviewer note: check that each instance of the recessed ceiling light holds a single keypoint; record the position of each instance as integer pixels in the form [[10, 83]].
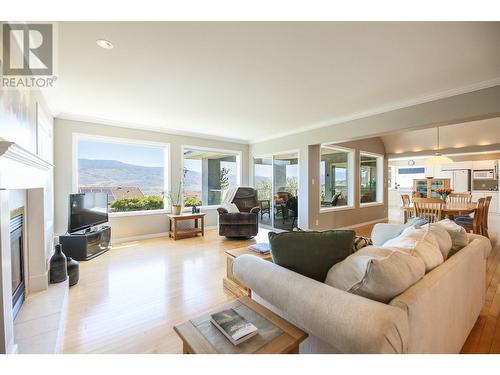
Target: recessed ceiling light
[[103, 43]]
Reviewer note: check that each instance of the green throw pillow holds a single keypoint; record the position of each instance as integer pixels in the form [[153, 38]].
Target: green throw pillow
[[311, 254]]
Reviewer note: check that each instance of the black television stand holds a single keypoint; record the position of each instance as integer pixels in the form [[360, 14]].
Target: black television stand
[[86, 244]]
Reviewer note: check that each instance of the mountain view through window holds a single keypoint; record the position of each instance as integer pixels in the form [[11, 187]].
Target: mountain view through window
[[132, 175]]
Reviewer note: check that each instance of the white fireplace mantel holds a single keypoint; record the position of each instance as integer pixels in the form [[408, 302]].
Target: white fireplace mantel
[[22, 169]]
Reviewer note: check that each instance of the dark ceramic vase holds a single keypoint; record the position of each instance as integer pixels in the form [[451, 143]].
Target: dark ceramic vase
[[58, 271], [73, 271]]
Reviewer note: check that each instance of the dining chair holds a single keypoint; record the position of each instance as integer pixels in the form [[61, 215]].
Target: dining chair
[[484, 219], [474, 224], [460, 198], [428, 208], [406, 199]]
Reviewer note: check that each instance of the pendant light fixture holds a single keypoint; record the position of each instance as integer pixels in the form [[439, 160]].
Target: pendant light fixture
[[438, 158]]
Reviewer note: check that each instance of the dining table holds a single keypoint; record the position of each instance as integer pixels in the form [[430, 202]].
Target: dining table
[[450, 210]]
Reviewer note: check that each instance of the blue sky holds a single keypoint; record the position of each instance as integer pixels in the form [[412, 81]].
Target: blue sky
[[126, 153]]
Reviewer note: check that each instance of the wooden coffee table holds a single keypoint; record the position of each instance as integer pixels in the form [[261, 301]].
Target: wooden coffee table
[[276, 335], [176, 233], [231, 282]]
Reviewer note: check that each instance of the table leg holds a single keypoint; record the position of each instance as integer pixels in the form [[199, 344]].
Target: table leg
[[202, 226], [175, 229], [169, 227], [294, 350], [196, 222]]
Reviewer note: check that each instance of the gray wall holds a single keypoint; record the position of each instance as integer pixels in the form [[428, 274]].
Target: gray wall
[[133, 226]]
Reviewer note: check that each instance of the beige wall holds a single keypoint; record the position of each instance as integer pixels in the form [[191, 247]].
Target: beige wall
[[460, 108], [321, 220], [452, 137], [137, 226]]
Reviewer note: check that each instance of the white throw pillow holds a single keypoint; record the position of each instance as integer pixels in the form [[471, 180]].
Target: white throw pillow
[[442, 236], [376, 273], [421, 243], [457, 233]]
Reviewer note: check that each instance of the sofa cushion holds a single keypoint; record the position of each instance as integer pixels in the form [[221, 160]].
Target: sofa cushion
[[421, 243], [311, 253], [376, 273], [239, 218], [383, 232], [457, 233], [442, 236]]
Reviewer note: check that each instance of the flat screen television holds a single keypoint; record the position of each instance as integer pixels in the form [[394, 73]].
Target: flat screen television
[[87, 210]]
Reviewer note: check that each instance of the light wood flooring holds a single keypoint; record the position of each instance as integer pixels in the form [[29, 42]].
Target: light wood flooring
[[129, 299]]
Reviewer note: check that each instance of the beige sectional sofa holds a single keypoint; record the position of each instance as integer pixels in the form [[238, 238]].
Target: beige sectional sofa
[[435, 315]]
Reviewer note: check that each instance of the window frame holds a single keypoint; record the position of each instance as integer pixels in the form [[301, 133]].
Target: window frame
[[238, 155], [76, 137], [351, 164], [379, 193]]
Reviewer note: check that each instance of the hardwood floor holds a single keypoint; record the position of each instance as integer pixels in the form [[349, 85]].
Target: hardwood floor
[[129, 299]]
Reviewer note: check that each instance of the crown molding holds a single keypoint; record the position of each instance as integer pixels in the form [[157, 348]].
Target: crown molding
[[383, 109], [122, 124]]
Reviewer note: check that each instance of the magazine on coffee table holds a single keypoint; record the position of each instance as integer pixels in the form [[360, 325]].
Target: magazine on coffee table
[[233, 326], [261, 248]]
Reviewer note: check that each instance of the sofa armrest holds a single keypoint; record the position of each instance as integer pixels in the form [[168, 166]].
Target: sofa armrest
[[255, 210], [349, 323], [383, 232], [485, 243], [222, 210]]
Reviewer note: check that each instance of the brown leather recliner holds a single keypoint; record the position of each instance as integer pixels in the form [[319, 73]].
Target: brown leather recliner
[[244, 223]]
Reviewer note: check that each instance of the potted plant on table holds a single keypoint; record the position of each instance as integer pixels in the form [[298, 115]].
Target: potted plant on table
[[175, 197], [443, 193]]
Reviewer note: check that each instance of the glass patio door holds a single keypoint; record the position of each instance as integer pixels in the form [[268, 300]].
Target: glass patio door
[[286, 190], [276, 179], [263, 183]]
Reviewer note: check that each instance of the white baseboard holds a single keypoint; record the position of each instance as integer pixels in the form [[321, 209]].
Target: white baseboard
[[139, 237], [365, 223], [149, 236]]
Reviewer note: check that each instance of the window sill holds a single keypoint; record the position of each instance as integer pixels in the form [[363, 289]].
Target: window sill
[[138, 213], [206, 208], [332, 209], [371, 204]]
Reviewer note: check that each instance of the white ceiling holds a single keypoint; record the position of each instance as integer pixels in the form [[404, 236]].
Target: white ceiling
[[253, 81], [459, 136]]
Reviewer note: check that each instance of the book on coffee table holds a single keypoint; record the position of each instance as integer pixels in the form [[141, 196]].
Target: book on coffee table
[[261, 248], [233, 326]]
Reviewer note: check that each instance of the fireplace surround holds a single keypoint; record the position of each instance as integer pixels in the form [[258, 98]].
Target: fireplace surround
[[17, 260], [22, 170]]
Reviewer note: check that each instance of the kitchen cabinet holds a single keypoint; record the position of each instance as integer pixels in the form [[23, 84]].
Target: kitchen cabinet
[[427, 187], [483, 164], [456, 165]]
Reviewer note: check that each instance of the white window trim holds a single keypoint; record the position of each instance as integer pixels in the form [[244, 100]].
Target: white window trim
[[380, 179], [101, 138], [237, 153], [351, 153]]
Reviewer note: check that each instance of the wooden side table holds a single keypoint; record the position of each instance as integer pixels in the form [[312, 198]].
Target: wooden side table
[[230, 282], [276, 335], [175, 232]]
